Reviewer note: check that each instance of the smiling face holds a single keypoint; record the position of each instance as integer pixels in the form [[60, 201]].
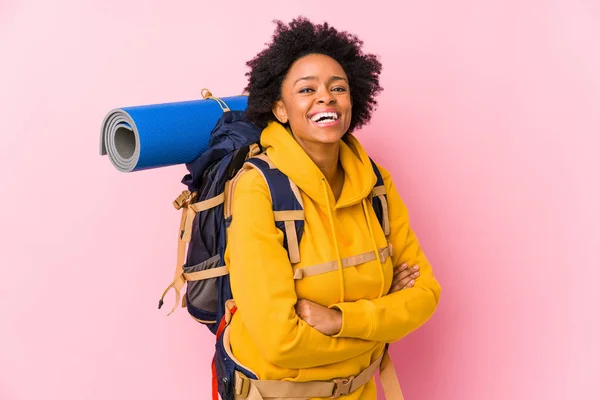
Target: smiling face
[[315, 100]]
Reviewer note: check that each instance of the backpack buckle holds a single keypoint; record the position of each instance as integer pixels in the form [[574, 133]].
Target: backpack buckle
[[342, 387], [253, 151], [183, 199], [241, 385]]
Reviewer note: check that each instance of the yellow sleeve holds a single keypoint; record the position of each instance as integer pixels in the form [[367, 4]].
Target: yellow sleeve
[[263, 287], [391, 317]]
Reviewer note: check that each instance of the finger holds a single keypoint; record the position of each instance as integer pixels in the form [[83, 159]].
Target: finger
[[402, 285], [413, 271], [404, 267], [406, 283], [413, 275], [400, 268], [402, 276]]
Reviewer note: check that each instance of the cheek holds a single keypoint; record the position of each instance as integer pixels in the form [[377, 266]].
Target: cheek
[[345, 103], [348, 103], [301, 108]]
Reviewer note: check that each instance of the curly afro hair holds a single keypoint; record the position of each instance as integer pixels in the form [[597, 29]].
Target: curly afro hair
[[300, 38]]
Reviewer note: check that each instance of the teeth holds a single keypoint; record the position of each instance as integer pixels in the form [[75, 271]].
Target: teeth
[[329, 115]]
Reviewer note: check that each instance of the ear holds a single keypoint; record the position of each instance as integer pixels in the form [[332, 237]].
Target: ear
[[280, 112]]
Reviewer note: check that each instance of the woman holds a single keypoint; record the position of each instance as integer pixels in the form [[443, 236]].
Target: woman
[[309, 89]]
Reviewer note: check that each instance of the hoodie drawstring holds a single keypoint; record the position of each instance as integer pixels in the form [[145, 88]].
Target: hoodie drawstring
[[335, 242], [337, 247], [374, 244]]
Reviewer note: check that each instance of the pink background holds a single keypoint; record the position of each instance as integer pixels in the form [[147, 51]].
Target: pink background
[[489, 123]]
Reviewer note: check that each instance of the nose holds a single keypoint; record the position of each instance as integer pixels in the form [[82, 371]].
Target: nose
[[325, 96]]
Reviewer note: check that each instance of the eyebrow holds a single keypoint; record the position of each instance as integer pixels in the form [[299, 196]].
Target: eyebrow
[[313, 78]]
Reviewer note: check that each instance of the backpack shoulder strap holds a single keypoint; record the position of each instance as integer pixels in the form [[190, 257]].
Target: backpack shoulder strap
[[287, 203], [288, 208], [380, 204]]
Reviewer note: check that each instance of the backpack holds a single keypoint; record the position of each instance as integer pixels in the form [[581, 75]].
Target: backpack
[[206, 215]]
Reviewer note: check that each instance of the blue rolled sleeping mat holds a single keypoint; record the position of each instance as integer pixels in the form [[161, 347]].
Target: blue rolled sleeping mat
[[159, 135]]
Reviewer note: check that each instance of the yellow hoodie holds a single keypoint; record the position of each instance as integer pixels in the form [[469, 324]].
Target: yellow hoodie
[[266, 334]]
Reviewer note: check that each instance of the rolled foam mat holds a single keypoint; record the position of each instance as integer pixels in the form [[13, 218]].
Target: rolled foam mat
[[158, 135]]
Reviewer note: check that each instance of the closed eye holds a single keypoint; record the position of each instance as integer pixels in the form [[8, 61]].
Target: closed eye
[[306, 90]]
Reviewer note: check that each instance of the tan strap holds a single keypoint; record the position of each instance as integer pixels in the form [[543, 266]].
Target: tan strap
[[252, 389], [186, 234], [253, 150], [209, 203], [206, 274], [389, 379], [352, 261], [178, 280], [291, 215], [230, 189], [202, 321], [379, 191], [290, 227], [364, 377], [288, 217], [206, 94], [296, 192], [292, 242], [386, 216]]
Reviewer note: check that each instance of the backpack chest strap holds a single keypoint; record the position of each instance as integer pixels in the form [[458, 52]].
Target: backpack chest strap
[[330, 266]]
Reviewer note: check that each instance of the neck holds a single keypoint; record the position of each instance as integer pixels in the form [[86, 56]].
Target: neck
[[326, 157]]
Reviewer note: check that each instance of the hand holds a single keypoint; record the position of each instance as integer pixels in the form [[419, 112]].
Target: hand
[[404, 277], [328, 321]]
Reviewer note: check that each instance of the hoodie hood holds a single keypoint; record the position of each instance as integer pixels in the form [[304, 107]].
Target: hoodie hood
[[292, 160]]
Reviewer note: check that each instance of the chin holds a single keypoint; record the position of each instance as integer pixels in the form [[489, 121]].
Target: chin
[[330, 138], [328, 135]]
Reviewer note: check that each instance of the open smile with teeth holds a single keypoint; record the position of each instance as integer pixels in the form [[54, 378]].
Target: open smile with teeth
[[325, 118]]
